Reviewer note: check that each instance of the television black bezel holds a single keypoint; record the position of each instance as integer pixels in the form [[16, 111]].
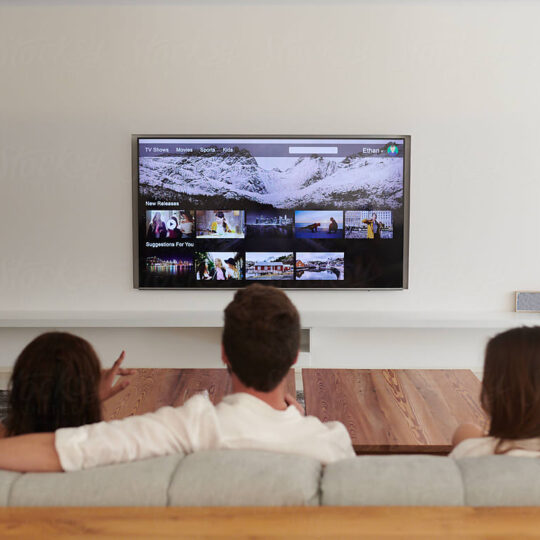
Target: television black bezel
[[406, 204]]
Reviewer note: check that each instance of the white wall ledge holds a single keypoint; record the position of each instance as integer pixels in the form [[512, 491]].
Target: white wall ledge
[[310, 319]]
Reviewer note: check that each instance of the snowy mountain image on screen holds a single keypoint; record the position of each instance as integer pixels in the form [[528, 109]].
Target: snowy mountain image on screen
[[353, 182]]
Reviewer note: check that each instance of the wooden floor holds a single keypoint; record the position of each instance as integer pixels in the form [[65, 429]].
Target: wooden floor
[[395, 411], [435, 523], [151, 389]]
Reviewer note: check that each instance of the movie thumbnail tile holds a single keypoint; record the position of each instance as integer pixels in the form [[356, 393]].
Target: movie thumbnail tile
[[269, 223], [318, 224], [220, 224], [269, 265], [219, 266], [169, 263], [320, 266], [369, 224], [164, 224]]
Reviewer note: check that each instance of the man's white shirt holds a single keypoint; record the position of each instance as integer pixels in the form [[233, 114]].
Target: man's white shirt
[[239, 421]]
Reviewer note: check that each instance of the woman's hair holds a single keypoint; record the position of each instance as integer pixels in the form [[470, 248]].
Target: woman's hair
[[54, 384], [202, 269], [511, 384], [156, 220]]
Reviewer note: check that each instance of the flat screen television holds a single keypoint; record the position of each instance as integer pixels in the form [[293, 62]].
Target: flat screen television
[[298, 212]]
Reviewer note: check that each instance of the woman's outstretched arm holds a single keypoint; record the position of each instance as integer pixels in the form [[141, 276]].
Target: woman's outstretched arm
[[29, 453]]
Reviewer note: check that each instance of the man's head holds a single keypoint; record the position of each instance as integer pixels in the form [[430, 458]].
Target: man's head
[[261, 336], [374, 215]]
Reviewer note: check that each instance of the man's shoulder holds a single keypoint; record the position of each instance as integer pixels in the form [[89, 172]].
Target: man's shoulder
[[196, 404], [199, 400]]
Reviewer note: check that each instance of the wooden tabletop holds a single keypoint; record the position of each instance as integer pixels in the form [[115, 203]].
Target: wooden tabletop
[[151, 389], [296, 523], [385, 411], [395, 411]]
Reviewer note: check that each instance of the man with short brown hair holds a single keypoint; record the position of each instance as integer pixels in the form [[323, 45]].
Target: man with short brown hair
[[268, 314], [261, 339]]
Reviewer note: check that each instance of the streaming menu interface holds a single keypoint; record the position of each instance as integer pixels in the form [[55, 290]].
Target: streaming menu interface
[[296, 213]]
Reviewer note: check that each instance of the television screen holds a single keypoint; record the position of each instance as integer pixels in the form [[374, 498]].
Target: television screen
[[294, 212]]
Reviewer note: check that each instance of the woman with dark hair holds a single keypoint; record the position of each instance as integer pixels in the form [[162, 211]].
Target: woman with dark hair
[[202, 272], [57, 382], [510, 396], [186, 224]]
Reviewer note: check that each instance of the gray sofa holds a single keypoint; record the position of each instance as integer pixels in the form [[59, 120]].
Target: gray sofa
[[252, 478]]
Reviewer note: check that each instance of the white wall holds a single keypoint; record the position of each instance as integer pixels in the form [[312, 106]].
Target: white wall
[[145, 347], [79, 77]]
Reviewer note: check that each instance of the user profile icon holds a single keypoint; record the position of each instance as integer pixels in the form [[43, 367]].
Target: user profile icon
[[392, 150]]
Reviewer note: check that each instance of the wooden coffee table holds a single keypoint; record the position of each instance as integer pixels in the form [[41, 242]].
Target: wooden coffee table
[[395, 411], [385, 411], [151, 389]]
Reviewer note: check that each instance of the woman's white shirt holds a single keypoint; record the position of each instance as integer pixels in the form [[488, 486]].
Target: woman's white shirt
[[485, 446]]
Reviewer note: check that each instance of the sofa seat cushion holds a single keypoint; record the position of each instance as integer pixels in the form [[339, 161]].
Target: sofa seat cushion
[[142, 483], [245, 478], [501, 480], [392, 481]]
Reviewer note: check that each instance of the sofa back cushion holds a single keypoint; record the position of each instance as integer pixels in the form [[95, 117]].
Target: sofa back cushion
[[7, 480], [392, 481], [143, 483], [501, 481], [245, 478]]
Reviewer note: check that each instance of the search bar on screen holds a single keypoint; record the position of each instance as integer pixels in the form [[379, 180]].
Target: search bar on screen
[[313, 150]]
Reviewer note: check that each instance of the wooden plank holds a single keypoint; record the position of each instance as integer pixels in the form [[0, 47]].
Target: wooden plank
[[455, 393], [395, 411], [151, 389], [272, 523]]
